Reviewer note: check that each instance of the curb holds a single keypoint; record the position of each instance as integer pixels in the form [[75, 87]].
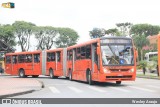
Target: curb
[[22, 93], [42, 84], [15, 94], [148, 77]]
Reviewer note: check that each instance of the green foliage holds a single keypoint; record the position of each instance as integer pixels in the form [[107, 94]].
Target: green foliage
[[67, 37], [7, 35], [23, 30], [97, 33], [142, 64], [45, 37], [145, 29], [154, 58], [124, 28], [113, 32], [140, 42], [151, 65]]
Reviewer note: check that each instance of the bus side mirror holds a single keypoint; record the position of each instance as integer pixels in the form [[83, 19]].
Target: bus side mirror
[[98, 50]]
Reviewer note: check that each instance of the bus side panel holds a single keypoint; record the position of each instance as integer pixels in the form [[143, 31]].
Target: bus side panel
[[82, 66], [8, 69], [27, 67]]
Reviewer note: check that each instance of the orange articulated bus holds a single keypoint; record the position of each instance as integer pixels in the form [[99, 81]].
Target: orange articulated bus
[[103, 59]]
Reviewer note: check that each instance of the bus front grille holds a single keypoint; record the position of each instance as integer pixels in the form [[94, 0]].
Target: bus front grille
[[119, 70], [110, 77]]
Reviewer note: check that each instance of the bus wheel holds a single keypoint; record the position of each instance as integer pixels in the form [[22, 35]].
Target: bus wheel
[[35, 76], [21, 73], [89, 78], [70, 75], [118, 82], [51, 74]]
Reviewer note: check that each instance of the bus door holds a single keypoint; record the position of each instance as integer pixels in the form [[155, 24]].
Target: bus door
[[94, 61], [58, 63], [8, 65], [74, 60], [69, 61], [14, 65], [36, 64]]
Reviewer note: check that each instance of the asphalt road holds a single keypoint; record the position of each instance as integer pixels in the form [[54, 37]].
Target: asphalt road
[[63, 88]]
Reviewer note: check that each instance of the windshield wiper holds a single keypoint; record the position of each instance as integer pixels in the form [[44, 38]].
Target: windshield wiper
[[114, 55]]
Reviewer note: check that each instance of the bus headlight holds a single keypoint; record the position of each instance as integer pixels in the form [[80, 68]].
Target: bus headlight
[[131, 70], [105, 70]]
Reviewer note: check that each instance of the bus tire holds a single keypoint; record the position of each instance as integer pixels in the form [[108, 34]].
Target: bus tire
[[118, 82], [51, 74], [70, 75], [35, 76], [22, 73], [89, 78]]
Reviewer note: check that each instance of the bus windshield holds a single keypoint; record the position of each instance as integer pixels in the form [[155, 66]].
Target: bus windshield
[[117, 54]]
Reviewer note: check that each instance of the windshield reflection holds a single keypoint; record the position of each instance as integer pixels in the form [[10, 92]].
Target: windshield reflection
[[117, 54]]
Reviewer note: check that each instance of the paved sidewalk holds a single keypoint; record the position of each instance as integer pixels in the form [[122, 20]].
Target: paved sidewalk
[[16, 86]]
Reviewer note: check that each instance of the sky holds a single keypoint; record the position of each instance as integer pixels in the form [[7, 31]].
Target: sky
[[81, 15]]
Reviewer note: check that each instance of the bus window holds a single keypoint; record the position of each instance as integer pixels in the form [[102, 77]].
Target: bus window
[[52, 56], [58, 56], [48, 57], [88, 52], [8, 59], [83, 52], [21, 58], [36, 58], [28, 58], [14, 59], [69, 55], [78, 54]]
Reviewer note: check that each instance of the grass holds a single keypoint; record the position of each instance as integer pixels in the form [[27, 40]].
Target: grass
[[148, 76]]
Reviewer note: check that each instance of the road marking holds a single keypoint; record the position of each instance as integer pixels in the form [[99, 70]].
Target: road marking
[[143, 89], [75, 89], [96, 89], [119, 89], [153, 86], [54, 90]]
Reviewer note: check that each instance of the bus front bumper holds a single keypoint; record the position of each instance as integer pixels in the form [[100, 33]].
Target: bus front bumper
[[117, 77]]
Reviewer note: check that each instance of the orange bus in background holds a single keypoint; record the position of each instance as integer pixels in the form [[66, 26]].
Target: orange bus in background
[[23, 63], [49, 63], [103, 59]]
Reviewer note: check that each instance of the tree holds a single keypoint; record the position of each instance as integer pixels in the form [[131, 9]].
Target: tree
[[140, 42], [124, 28], [45, 37], [23, 30], [67, 37], [7, 35], [145, 29], [97, 33], [112, 32]]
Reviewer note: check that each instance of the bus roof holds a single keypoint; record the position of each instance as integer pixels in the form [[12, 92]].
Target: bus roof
[[115, 37], [18, 53], [54, 50], [85, 43]]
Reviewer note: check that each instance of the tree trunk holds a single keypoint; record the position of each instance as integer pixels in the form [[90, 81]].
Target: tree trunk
[[141, 54]]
